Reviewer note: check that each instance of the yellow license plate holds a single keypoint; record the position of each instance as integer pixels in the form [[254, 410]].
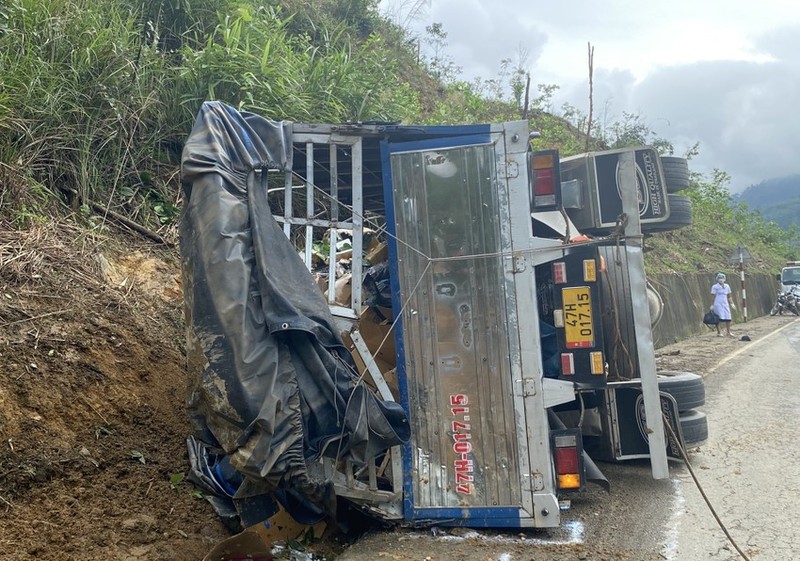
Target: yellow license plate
[[578, 326]]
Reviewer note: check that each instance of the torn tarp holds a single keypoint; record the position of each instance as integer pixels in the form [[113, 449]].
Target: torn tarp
[[271, 384]]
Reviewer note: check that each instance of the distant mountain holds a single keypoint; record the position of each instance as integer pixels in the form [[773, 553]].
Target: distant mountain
[[776, 199]]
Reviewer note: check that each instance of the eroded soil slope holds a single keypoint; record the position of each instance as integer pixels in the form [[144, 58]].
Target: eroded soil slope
[[92, 425]]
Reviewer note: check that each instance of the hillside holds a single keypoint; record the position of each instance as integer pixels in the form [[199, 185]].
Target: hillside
[[776, 199], [92, 389], [92, 344]]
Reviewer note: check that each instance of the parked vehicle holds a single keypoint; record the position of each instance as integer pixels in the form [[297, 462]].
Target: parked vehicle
[[481, 338], [793, 300], [788, 300], [789, 276], [780, 304]]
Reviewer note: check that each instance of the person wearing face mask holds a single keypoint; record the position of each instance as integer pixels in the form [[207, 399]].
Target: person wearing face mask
[[723, 304]]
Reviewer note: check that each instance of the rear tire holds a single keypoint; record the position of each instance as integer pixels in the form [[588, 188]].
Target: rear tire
[[680, 216], [676, 173], [687, 388], [694, 426]]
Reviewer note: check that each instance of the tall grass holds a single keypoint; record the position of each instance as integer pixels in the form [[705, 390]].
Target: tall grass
[[719, 226], [81, 105], [97, 96], [253, 61]]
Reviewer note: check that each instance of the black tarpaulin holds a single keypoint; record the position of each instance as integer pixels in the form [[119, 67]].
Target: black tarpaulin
[[270, 382]]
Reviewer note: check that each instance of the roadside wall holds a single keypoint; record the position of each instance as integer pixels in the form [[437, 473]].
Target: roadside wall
[[688, 297]]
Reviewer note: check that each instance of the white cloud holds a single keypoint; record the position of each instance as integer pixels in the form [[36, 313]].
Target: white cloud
[[742, 113], [724, 73]]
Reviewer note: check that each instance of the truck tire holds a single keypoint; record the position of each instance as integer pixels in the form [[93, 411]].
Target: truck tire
[[680, 216], [694, 426], [676, 173], [655, 303], [687, 388]]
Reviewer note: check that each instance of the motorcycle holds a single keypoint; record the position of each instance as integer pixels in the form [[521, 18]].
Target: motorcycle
[[780, 305], [789, 301], [793, 301]]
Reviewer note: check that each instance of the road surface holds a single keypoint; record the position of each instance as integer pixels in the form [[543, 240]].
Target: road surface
[[750, 466]]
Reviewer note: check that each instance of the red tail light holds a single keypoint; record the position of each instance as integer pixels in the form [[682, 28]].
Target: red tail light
[[567, 452], [567, 364], [543, 183], [544, 176], [567, 460], [560, 272]]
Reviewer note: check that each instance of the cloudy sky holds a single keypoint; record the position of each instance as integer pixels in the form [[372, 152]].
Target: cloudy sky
[[725, 74]]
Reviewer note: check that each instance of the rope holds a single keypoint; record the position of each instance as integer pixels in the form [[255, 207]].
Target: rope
[[702, 492], [616, 236], [365, 219], [360, 379]]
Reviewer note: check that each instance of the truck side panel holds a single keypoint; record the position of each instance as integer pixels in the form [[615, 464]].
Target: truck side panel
[[469, 358], [457, 363]]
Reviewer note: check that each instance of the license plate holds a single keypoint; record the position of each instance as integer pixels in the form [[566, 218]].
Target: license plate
[[578, 325]]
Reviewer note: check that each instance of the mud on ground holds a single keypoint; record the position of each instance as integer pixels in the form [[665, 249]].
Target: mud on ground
[[703, 353]]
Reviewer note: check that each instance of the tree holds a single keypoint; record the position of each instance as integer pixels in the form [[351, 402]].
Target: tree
[[440, 64]]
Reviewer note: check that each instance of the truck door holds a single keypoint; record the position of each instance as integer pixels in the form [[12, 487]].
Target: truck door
[[468, 361]]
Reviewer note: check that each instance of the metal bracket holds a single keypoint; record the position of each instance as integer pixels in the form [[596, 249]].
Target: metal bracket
[[528, 387], [516, 264], [532, 482], [512, 169], [557, 392]]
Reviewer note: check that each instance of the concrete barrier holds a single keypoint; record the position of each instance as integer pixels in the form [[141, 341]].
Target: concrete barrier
[[687, 297]]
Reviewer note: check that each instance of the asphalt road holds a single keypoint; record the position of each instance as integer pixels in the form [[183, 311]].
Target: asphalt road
[[750, 466]]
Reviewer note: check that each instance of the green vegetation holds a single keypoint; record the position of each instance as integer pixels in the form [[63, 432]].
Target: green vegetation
[[96, 98], [776, 199], [719, 225]]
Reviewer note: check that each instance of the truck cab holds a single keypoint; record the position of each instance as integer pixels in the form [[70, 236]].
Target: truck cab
[[789, 276]]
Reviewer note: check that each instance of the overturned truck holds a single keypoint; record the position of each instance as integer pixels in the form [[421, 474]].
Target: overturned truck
[[429, 324]]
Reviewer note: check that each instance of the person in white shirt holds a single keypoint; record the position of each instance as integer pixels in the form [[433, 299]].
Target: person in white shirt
[[723, 304]]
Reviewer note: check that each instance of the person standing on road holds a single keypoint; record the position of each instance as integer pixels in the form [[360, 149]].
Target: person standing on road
[[723, 304]]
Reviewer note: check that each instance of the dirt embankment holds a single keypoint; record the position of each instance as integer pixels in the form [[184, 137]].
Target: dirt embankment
[[92, 425]]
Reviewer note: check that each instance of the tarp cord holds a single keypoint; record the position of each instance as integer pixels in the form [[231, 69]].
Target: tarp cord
[[685, 457]]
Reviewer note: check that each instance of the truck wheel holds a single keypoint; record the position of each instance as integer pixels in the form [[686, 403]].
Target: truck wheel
[[655, 303], [676, 173], [680, 216], [694, 426], [687, 388]]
